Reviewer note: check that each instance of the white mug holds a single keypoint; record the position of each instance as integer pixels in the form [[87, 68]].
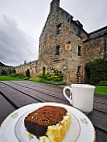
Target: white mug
[[81, 96]]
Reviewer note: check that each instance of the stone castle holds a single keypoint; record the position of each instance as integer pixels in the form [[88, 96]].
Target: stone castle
[[66, 46]]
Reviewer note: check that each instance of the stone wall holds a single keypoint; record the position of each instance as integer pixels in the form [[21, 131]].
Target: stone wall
[[93, 49], [66, 46], [32, 66], [68, 60], [76, 46]]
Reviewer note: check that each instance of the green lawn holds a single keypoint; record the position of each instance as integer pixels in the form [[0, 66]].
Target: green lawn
[[9, 78], [99, 89]]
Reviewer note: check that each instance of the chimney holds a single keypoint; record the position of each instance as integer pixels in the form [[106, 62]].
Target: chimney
[[54, 5]]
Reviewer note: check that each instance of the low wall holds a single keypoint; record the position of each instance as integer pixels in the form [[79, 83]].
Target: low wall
[[32, 66]]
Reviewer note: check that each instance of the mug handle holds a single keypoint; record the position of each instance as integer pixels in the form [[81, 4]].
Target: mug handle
[[68, 98]]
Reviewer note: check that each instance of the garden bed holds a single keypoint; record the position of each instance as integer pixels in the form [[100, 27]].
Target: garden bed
[[54, 82]]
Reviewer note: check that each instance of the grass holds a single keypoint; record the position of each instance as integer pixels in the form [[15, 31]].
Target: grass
[[9, 78], [99, 89]]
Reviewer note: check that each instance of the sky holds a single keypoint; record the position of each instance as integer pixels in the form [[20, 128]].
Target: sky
[[22, 21]]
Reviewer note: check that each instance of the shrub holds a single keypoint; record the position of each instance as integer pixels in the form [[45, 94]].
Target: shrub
[[102, 83], [57, 79], [4, 72], [57, 73], [47, 76], [54, 76], [40, 75], [18, 75], [97, 71], [36, 79], [9, 71]]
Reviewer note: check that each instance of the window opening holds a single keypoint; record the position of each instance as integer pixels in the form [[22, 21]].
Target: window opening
[[58, 29], [57, 50], [78, 71], [79, 50]]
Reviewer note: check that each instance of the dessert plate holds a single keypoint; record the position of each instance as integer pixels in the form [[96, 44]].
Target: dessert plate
[[13, 129]]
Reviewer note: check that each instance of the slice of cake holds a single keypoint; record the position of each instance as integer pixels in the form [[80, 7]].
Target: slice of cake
[[48, 123]]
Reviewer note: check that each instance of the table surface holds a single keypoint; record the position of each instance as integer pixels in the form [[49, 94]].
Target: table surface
[[16, 94]]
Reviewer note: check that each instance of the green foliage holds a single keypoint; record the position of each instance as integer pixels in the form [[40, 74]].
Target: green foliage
[[57, 73], [28, 73], [54, 76], [47, 76], [18, 75], [57, 79], [26, 78], [3, 72], [8, 71], [54, 82], [97, 71], [37, 79], [102, 83]]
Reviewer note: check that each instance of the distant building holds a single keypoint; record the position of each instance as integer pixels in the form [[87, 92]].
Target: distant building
[[66, 46]]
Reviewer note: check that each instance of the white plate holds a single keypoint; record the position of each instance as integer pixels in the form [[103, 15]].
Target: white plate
[[13, 129]]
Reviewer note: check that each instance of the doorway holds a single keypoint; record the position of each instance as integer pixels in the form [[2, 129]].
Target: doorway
[[44, 70]]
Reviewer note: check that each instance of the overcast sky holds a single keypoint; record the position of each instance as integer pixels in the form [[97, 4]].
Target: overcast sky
[[22, 21]]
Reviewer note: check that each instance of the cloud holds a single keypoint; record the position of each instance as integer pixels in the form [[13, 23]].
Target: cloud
[[19, 35], [92, 14], [15, 44]]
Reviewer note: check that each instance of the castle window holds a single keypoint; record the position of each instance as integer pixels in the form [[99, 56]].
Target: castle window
[[68, 42], [79, 32], [57, 50], [78, 71], [58, 29], [79, 50]]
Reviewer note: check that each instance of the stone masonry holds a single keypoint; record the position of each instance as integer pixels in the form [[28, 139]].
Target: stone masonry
[[32, 66], [66, 46]]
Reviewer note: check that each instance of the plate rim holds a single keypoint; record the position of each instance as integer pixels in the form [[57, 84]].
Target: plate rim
[[49, 103]]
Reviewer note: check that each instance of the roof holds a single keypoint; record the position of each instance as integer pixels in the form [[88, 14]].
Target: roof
[[97, 33]]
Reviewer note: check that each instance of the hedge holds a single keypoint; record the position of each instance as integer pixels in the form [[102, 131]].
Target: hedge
[[97, 71]]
